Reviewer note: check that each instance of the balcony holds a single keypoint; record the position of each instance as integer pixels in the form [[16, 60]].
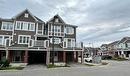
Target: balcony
[[39, 43], [73, 46]]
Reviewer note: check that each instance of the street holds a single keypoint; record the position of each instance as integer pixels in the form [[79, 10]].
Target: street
[[114, 68]]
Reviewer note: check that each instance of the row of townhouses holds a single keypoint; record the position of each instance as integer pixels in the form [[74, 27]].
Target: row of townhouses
[[117, 48], [27, 39]]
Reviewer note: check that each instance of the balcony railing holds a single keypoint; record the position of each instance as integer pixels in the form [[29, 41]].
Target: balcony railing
[[76, 45], [39, 43]]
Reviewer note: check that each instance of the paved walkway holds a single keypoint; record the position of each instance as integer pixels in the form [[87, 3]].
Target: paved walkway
[[115, 68], [35, 67]]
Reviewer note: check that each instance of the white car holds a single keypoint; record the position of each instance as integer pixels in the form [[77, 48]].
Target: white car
[[88, 59]]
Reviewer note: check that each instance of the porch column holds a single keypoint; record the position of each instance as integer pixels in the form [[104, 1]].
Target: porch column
[[26, 56], [82, 59], [122, 54], [48, 57], [7, 54], [64, 56], [76, 56], [118, 53]]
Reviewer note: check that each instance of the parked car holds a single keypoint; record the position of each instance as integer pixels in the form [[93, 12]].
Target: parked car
[[88, 59], [106, 57]]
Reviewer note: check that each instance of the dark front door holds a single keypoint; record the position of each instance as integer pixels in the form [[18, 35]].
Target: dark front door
[[37, 57], [69, 56]]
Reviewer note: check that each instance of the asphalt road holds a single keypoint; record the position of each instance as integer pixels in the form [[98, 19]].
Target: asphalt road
[[115, 68]]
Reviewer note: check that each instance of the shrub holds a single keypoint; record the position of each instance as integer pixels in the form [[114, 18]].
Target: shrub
[[4, 63], [106, 57], [119, 58]]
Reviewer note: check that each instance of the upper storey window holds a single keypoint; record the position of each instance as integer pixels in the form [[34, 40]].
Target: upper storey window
[[26, 15], [8, 26], [57, 28], [69, 30], [56, 20], [28, 26]]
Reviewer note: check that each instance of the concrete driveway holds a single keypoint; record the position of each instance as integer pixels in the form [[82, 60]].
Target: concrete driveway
[[115, 68], [35, 67]]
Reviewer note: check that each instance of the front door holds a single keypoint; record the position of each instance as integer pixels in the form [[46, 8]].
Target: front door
[[56, 57]]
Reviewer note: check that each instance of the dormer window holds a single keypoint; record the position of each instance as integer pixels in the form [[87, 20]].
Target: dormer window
[[26, 15]]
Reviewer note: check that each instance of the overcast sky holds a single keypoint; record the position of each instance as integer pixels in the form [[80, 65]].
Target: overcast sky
[[98, 21]]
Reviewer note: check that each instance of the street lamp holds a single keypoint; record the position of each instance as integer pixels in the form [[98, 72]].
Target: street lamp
[[53, 51]]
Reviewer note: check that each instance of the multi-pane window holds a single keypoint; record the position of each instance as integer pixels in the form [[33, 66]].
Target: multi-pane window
[[26, 15], [3, 39], [23, 39], [69, 30], [56, 20], [29, 26], [25, 26], [69, 42], [18, 25], [17, 56], [8, 26], [57, 28]]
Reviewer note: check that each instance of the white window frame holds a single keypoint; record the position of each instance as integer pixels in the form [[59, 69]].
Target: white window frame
[[30, 27], [4, 40], [26, 26], [26, 15], [7, 26], [70, 29], [72, 39], [56, 27], [22, 39]]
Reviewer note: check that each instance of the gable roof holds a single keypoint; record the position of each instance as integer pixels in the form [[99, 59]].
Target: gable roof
[[26, 10], [104, 45], [124, 39], [62, 22], [57, 17], [113, 43]]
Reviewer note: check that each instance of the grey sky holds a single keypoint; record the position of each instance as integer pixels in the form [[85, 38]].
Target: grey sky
[[98, 21]]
